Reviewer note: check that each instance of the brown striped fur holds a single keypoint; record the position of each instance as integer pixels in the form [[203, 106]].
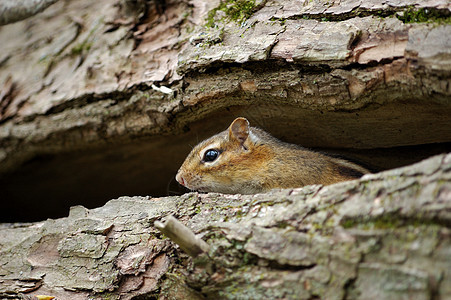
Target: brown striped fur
[[252, 161]]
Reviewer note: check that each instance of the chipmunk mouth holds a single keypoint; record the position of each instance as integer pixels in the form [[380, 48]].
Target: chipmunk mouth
[[188, 183], [183, 182], [180, 180]]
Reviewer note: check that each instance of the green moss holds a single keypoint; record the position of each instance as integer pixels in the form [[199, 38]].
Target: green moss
[[235, 10], [87, 43], [349, 223], [385, 222], [248, 258], [424, 15], [107, 296], [80, 48], [410, 14]]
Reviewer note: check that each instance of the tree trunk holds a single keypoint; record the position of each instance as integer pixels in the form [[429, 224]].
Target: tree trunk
[[100, 99], [386, 236]]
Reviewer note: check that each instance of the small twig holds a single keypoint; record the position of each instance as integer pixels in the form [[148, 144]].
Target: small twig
[[35, 297], [182, 236]]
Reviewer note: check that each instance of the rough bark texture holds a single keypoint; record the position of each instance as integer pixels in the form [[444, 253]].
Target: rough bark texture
[[16, 10], [104, 98], [386, 236]]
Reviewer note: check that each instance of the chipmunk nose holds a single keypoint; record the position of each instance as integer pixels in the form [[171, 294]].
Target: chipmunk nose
[[179, 178]]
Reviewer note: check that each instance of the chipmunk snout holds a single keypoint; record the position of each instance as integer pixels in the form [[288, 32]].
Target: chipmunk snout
[[179, 178]]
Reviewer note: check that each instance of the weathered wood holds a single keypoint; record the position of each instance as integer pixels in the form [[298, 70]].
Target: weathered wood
[[86, 87], [182, 236], [104, 98], [386, 236], [16, 10]]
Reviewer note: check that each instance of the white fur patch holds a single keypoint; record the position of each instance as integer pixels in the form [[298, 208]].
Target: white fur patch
[[253, 138]]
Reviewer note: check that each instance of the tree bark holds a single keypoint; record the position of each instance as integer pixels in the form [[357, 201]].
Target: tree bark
[[386, 236], [105, 98], [16, 10], [128, 86]]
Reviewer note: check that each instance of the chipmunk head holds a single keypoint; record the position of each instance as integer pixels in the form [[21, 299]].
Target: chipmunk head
[[222, 163]]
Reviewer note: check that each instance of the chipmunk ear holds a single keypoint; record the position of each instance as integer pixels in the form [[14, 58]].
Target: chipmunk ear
[[239, 130]]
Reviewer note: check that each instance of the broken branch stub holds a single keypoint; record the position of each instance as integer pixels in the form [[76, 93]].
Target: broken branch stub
[[182, 236]]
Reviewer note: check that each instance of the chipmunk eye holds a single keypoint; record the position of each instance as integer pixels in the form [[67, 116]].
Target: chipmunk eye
[[210, 155]]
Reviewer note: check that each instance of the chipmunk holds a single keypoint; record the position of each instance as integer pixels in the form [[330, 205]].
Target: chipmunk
[[248, 160]]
